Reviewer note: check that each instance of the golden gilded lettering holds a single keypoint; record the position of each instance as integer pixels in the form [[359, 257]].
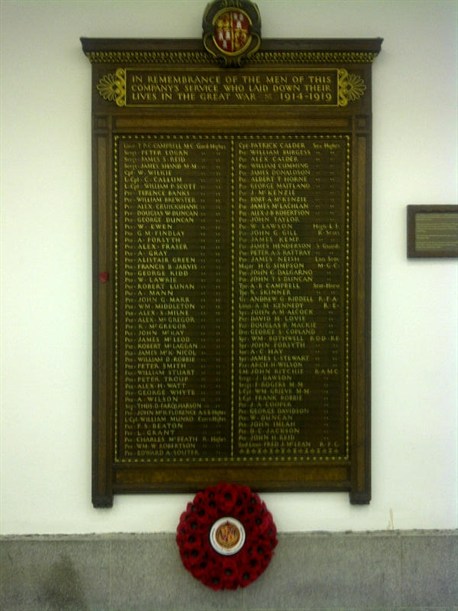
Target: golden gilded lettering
[[289, 278], [310, 87], [165, 389], [279, 254]]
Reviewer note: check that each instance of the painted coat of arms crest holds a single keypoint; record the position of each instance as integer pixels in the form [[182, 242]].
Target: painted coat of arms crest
[[232, 30]]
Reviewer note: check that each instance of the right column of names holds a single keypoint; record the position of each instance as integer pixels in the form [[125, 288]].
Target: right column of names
[[292, 324]]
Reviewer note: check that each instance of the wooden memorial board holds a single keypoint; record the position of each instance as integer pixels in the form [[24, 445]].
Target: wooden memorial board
[[232, 240]]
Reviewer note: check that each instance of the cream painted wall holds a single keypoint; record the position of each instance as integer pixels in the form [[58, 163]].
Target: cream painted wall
[[46, 260]]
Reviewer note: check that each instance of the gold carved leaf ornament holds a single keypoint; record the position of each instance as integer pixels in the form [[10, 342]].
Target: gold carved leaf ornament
[[112, 87], [351, 87]]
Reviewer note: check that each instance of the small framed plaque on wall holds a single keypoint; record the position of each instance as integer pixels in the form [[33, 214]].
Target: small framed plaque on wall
[[432, 232]]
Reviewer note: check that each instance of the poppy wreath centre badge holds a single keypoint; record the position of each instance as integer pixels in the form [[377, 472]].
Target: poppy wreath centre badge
[[232, 30], [226, 536]]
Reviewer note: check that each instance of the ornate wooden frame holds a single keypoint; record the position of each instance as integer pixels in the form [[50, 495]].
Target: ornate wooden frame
[[346, 114]]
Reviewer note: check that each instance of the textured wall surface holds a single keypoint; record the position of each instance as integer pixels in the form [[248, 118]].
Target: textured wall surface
[[389, 570]]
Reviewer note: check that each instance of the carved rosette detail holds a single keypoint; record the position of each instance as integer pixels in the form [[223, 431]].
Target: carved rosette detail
[[351, 87], [112, 87]]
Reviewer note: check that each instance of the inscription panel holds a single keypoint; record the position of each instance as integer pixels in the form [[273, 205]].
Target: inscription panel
[[232, 276], [173, 264], [292, 326], [136, 88], [314, 87]]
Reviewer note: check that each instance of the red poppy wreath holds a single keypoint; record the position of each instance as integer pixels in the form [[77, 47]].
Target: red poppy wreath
[[226, 536]]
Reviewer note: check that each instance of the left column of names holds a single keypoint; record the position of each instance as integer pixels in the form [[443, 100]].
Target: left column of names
[[173, 264]]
